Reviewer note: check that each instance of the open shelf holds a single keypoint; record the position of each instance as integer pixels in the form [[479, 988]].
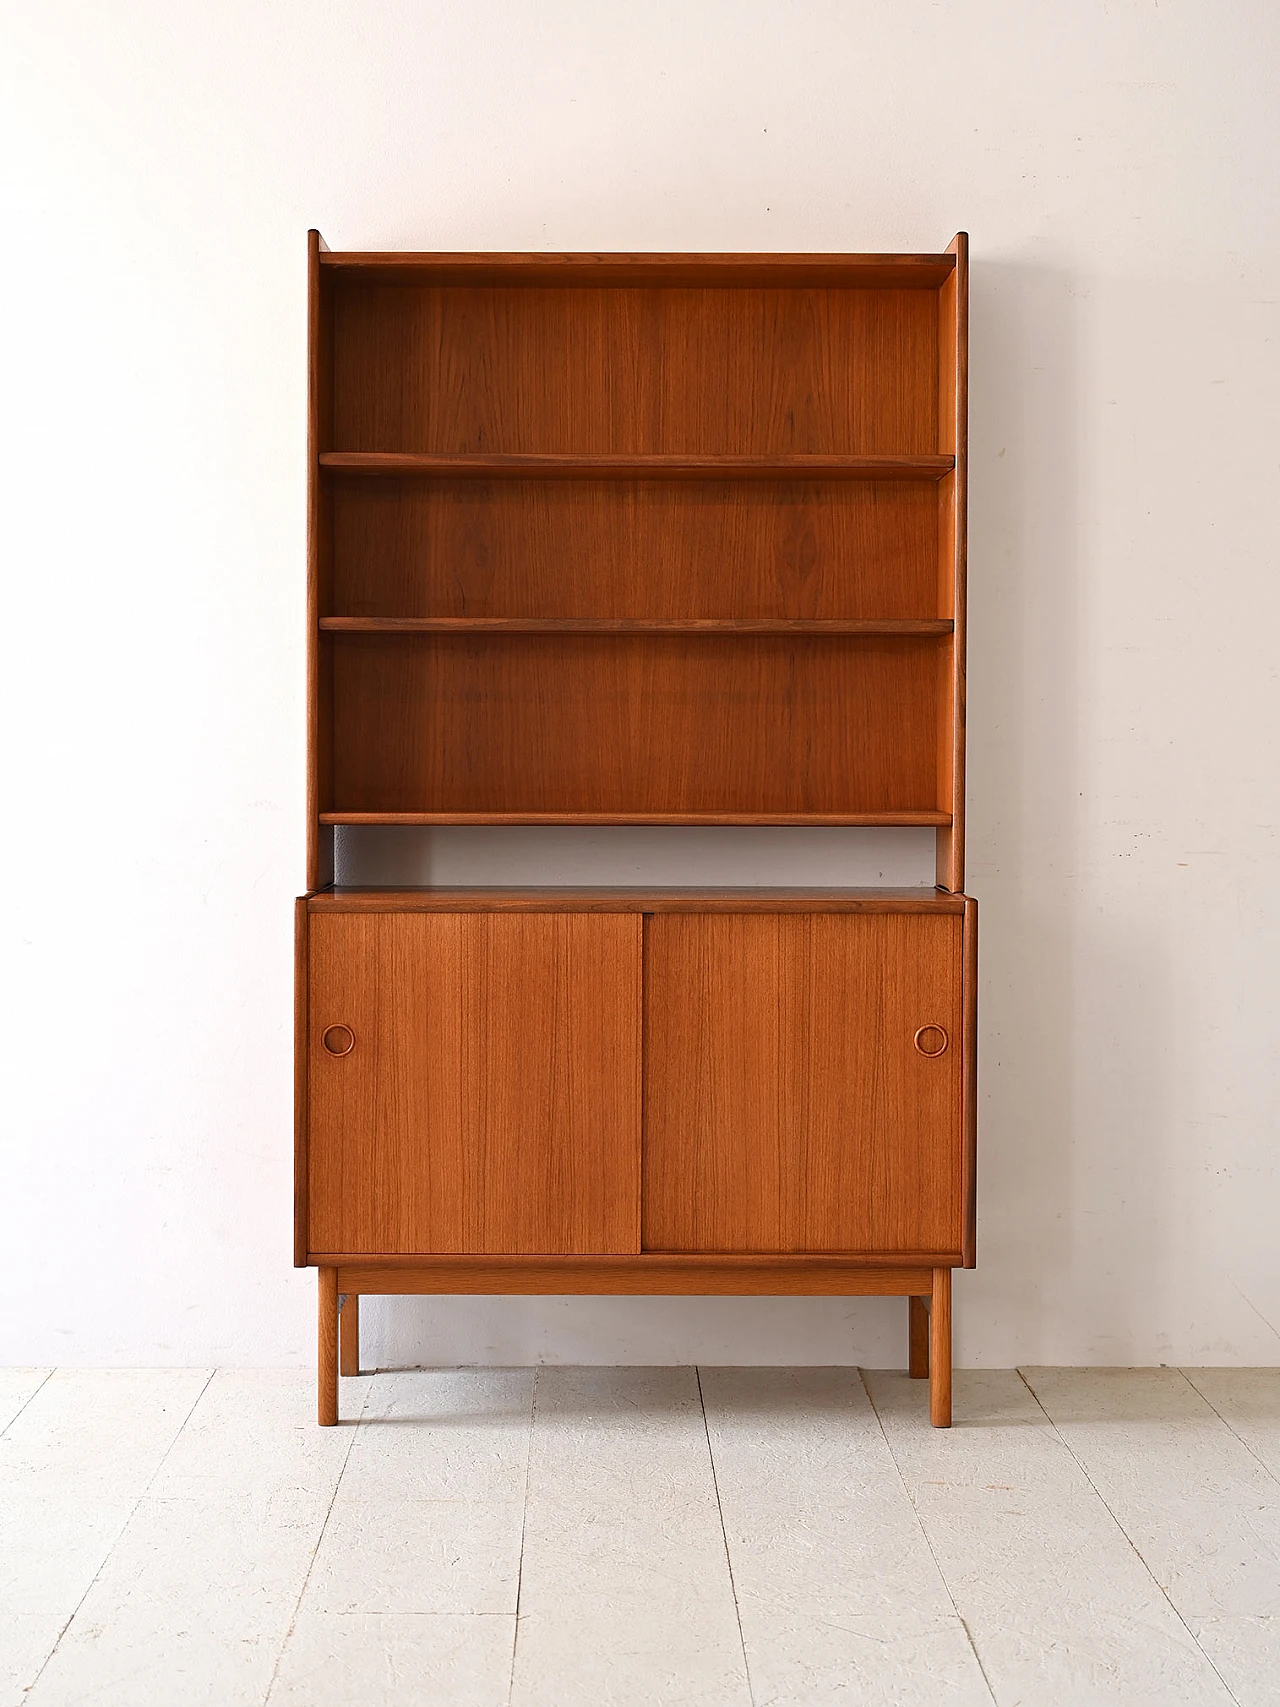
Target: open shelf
[[599, 727], [923, 628], [592, 378], [653, 550], [566, 466]]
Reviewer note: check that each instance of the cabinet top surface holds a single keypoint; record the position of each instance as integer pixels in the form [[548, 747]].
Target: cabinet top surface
[[873, 271], [618, 900]]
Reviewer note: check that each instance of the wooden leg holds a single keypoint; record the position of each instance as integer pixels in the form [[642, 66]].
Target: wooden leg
[[349, 1335], [918, 1337], [940, 1350], [327, 1350]]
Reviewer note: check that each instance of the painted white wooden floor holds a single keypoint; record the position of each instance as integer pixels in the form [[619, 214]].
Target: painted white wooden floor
[[750, 1538]]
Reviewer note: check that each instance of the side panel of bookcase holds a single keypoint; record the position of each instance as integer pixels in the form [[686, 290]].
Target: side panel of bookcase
[[953, 412]]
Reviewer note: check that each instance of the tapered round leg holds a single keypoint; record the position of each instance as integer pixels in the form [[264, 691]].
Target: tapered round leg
[[940, 1350], [327, 1349]]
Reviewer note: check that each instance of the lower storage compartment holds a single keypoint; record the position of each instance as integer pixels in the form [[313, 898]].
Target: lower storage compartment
[[667, 1079]]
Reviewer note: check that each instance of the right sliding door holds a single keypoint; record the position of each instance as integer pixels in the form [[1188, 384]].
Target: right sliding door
[[804, 1083]]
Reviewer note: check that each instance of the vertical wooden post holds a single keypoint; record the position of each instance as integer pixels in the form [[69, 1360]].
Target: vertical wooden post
[[940, 1350], [917, 1337], [327, 1349], [349, 1335]]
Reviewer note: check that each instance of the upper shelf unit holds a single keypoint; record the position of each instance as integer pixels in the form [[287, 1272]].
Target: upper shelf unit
[[628, 538]]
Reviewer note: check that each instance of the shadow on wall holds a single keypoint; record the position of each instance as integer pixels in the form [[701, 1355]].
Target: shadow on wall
[[1043, 1257], [1045, 1260]]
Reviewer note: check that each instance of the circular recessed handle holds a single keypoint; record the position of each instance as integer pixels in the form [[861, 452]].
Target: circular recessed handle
[[339, 1039], [931, 1040]]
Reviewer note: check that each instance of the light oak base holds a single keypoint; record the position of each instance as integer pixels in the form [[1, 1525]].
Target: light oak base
[[927, 1290]]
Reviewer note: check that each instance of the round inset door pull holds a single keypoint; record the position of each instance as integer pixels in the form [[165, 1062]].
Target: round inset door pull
[[341, 1040], [931, 1040]]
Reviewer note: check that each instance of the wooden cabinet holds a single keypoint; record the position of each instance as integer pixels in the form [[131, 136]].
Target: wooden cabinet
[[474, 1083], [636, 539], [803, 1083]]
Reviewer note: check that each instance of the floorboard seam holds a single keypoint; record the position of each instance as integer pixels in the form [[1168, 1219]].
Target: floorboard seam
[[133, 1512], [1217, 1413], [524, 1525], [1137, 1551], [724, 1537], [311, 1562], [925, 1537], [48, 1375]]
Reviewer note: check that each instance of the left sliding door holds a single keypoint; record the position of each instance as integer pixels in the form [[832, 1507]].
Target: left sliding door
[[473, 1083]]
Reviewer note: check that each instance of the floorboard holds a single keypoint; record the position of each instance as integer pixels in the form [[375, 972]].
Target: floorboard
[[715, 1538]]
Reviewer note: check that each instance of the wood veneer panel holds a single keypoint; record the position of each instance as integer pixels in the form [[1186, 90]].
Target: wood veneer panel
[[630, 466], [319, 568], [636, 549], [896, 817], [751, 371], [924, 626], [491, 1099], [649, 1274], [633, 726], [327, 1347], [901, 272], [606, 899], [969, 1082], [300, 1230], [787, 1107], [953, 436]]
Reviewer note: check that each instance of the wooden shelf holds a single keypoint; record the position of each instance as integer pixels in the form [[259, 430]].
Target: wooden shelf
[[920, 627], [604, 467], [856, 272], [929, 820]]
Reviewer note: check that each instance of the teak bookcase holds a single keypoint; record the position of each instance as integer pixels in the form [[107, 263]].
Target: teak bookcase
[[636, 539]]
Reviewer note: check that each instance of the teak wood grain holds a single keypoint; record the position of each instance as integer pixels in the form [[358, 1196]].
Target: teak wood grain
[[327, 1347], [894, 815], [636, 539], [675, 370], [787, 1107], [923, 627], [591, 465], [940, 1349], [349, 1333], [953, 436], [319, 569], [634, 726], [853, 272], [652, 1274], [917, 1338], [301, 1024], [491, 1099], [639, 550], [607, 899]]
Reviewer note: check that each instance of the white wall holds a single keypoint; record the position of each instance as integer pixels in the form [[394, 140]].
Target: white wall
[[1116, 164]]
